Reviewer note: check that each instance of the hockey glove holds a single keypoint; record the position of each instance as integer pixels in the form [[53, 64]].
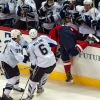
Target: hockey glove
[[64, 11], [94, 23], [79, 20], [26, 58]]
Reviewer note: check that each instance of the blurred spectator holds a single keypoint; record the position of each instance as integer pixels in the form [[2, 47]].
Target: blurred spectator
[[7, 9], [47, 9], [89, 14], [27, 12]]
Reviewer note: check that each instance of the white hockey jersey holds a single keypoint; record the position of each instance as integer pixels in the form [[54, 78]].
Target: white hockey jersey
[[93, 12], [53, 10], [40, 53], [11, 7], [12, 54], [34, 9]]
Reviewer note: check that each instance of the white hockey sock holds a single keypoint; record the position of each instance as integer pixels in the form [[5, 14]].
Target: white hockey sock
[[43, 79], [9, 85], [16, 85], [7, 92], [31, 87]]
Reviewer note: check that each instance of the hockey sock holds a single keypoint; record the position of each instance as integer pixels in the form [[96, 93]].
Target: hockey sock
[[43, 79], [31, 87], [82, 46], [9, 85], [16, 85], [7, 89], [67, 66]]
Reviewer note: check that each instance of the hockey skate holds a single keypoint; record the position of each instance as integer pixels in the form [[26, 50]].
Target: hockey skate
[[69, 78], [40, 89], [91, 39], [4, 97], [28, 97], [18, 89]]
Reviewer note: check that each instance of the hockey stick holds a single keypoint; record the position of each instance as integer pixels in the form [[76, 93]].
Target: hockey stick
[[27, 83], [25, 88]]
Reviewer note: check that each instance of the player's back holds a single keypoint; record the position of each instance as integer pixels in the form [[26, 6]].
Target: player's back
[[39, 48], [12, 53]]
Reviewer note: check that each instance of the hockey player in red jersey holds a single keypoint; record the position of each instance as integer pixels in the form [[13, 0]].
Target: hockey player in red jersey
[[66, 37]]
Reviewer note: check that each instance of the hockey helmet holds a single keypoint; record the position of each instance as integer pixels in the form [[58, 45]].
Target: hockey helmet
[[15, 33], [88, 2], [33, 33]]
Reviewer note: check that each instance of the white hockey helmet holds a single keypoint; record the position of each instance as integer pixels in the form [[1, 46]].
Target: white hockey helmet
[[88, 2], [15, 33], [33, 33]]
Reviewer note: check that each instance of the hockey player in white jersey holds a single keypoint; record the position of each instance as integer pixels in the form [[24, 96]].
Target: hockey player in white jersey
[[7, 12], [12, 56], [66, 10], [42, 58], [89, 14], [48, 9], [27, 12]]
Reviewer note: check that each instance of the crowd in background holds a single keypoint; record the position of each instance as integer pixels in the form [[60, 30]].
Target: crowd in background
[[44, 15], [27, 14], [64, 20]]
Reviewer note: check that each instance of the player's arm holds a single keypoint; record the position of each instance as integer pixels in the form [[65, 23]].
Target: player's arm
[[11, 7], [44, 8], [17, 53], [50, 41], [30, 52]]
